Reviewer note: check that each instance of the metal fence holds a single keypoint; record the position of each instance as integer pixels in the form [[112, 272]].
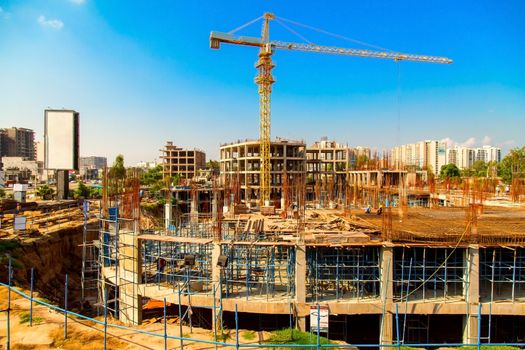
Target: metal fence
[[186, 340]]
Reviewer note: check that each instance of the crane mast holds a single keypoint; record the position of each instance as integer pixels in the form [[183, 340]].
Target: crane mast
[[264, 80]]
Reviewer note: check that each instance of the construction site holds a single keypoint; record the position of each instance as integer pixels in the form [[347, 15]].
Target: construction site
[[287, 236], [386, 271]]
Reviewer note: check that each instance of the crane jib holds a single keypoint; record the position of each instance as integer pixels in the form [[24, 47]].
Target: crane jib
[[216, 38]]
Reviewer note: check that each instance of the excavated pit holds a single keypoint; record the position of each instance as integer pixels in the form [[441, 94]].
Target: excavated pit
[[52, 256]]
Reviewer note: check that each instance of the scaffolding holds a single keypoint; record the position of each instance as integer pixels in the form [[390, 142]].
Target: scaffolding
[[502, 273], [258, 270], [435, 272], [173, 264], [90, 270], [342, 273], [108, 262]]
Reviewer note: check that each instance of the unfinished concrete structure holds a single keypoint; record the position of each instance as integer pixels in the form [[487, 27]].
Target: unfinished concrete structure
[[240, 167], [415, 275], [373, 187], [182, 162], [327, 166]]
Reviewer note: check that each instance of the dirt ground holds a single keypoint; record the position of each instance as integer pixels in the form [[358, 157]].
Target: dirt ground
[[47, 331]]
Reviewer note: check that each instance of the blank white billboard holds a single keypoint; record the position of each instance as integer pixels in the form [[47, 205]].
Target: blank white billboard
[[61, 139]]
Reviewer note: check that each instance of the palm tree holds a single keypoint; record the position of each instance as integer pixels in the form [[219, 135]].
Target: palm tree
[[45, 192]]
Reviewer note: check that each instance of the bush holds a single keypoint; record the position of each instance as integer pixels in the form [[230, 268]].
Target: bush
[[249, 335], [294, 336], [24, 318]]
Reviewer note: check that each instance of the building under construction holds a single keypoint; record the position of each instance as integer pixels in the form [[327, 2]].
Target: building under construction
[[240, 164], [441, 274]]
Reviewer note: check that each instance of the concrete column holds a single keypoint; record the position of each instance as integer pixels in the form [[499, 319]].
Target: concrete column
[[129, 276], [168, 217], [214, 208], [387, 293], [216, 275], [300, 283], [62, 180], [471, 294], [194, 209]]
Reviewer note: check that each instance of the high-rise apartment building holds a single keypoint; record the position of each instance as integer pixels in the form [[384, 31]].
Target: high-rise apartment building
[[488, 154], [436, 152], [465, 157], [429, 154], [17, 142]]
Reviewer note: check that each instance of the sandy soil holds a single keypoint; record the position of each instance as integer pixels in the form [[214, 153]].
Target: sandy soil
[[47, 331]]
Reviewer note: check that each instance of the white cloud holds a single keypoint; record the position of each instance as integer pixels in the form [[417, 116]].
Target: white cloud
[[449, 142], [50, 23], [507, 143], [78, 2], [470, 142]]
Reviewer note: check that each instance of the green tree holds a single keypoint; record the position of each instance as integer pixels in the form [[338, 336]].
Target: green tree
[[480, 168], [152, 176], [449, 171], [513, 165], [213, 164], [82, 191], [45, 192], [95, 192], [175, 180], [118, 170], [2, 193], [467, 172]]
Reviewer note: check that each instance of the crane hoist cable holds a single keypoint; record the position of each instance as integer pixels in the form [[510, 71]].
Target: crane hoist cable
[[334, 34], [292, 31], [245, 25]]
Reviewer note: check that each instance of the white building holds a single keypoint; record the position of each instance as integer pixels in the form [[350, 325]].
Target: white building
[[429, 154], [465, 157], [488, 154], [147, 165]]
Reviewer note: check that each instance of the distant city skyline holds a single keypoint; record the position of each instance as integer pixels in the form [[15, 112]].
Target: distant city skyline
[[144, 75]]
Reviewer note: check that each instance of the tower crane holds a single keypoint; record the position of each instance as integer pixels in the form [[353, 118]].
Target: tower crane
[[265, 79]]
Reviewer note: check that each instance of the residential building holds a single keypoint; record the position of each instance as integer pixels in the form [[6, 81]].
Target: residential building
[[90, 167], [182, 162], [436, 155], [465, 157], [147, 165], [19, 169], [423, 155], [488, 154], [18, 142]]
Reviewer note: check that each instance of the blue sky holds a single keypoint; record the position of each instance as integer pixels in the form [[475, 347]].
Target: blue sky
[[141, 72]]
